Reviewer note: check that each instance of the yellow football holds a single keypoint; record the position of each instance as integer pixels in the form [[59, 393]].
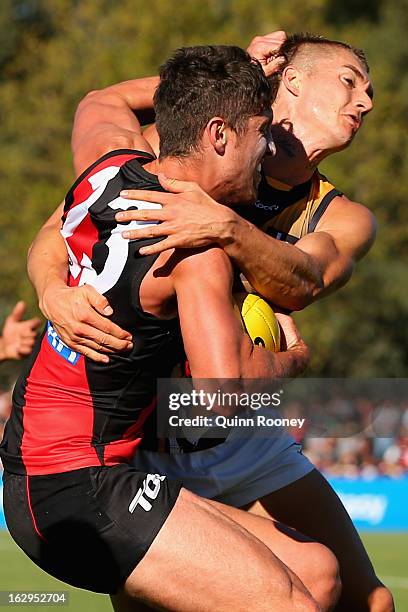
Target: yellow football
[[259, 320]]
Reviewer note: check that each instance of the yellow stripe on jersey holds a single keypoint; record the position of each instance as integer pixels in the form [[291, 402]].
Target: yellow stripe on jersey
[[296, 218]]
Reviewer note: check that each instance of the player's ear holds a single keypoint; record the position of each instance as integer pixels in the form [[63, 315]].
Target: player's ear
[[291, 79], [218, 134]]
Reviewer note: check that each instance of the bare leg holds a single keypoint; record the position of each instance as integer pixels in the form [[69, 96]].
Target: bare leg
[[310, 506], [313, 563], [202, 560]]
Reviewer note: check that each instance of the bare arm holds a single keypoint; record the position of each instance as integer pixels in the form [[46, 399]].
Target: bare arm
[[215, 344], [79, 314], [47, 256], [105, 121], [293, 276], [290, 276]]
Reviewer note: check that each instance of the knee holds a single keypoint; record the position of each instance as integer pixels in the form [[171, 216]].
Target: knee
[[382, 600], [333, 581], [327, 583]]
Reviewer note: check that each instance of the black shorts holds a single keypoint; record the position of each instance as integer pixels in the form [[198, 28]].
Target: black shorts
[[89, 527]]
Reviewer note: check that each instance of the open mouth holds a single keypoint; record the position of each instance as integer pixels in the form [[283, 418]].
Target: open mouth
[[354, 121]]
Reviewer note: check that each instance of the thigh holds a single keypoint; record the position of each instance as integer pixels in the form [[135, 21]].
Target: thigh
[[311, 506], [203, 560], [314, 564]]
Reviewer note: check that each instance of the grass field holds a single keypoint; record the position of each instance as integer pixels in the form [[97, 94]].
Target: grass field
[[389, 553]]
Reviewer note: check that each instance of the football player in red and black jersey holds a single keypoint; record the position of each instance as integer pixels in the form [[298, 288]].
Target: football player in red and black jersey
[[72, 501]]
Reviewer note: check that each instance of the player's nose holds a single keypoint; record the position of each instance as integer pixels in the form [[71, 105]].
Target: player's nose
[[364, 103]]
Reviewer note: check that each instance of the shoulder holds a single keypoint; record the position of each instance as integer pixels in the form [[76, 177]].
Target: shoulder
[[351, 222], [208, 266], [105, 168]]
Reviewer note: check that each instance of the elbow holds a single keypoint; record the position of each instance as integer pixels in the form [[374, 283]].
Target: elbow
[[304, 294]]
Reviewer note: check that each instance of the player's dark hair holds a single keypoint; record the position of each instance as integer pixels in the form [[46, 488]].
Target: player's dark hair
[[201, 82], [296, 43]]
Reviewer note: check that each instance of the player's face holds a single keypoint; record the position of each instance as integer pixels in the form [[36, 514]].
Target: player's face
[[247, 154], [335, 97]]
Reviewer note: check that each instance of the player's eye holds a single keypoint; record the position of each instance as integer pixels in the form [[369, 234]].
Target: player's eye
[[349, 81]]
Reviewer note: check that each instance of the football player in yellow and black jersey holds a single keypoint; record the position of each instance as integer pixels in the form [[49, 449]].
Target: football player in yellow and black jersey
[[297, 243]]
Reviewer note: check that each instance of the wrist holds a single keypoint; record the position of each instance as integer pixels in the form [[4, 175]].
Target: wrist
[[301, 354], [232, 231], [47, 293]]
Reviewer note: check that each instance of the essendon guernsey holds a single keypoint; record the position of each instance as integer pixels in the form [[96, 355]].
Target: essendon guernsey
[[68, 411]]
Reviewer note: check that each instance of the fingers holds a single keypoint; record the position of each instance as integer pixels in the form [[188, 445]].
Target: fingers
[[278, 36], [99, 302], [91, 354], [25, 348], [145, 214], [33, 324], [117, 338], [151, 231], [264, 49], [168, 243], [18, 311], [157, 197], [92, 343], [274, 40], [98, 335], [273, 65], [170, 184]]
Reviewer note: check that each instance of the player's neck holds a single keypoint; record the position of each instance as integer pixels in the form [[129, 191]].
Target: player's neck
[[186, 169], [297, 156]]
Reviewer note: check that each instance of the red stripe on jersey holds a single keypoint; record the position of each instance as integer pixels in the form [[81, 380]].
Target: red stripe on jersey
[[81, 242], [83, 190], [123, 450], [58, 416], [31, 510]]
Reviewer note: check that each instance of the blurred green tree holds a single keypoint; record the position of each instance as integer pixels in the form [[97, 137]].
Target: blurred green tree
[[52, 53]]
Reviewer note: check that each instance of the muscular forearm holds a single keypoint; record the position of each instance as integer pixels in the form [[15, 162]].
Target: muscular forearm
[[280, 272], [136, 94], [268, 365], [47, 262], [105, 120]]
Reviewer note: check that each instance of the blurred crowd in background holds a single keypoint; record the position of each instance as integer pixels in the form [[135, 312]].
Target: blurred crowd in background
[[355, 437], [364, 454]]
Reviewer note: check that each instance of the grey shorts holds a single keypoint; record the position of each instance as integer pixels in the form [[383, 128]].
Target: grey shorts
[[236, 472]]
